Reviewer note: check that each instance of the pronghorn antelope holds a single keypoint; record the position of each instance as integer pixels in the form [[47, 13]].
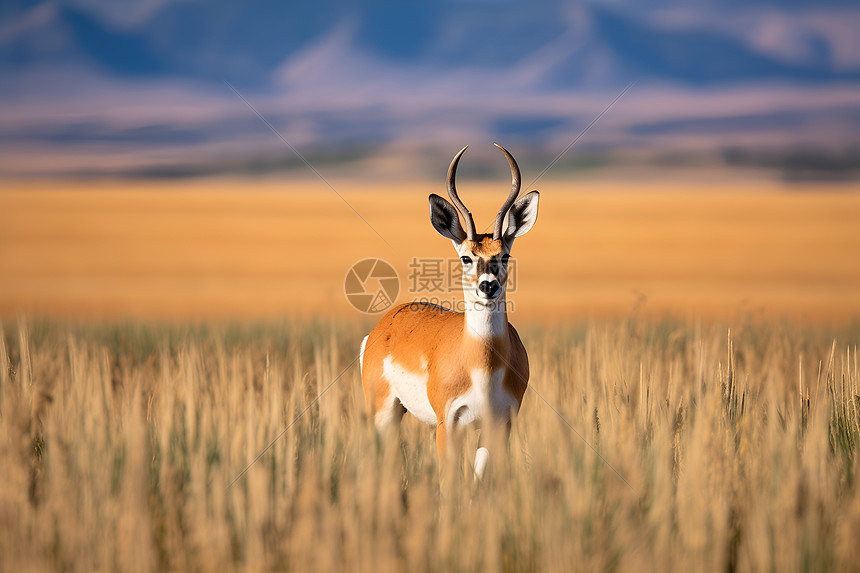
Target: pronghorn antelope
[[448, 368]]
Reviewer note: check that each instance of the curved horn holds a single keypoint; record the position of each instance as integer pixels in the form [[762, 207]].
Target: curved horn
[[452, 193], [515, 190]]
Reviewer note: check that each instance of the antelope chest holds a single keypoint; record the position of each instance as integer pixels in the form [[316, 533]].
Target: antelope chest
[[486, 396]]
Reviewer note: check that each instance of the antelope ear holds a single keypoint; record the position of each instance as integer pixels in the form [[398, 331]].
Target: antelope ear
[[444, 217], [522, 215]]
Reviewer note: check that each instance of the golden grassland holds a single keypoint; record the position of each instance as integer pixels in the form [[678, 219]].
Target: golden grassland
[[246, 447], [231, 248], [200, 444]]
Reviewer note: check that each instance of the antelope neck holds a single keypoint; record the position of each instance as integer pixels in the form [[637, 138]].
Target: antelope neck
[[486, 320]]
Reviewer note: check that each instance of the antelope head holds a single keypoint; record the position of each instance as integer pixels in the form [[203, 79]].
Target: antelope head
[[484, 256]]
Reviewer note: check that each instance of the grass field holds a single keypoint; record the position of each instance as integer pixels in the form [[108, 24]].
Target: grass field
[[179, 391], [262, 249], [134, 448]]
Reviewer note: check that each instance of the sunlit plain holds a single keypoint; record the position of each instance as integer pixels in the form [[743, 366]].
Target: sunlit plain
[[179, 387], [270, 248]]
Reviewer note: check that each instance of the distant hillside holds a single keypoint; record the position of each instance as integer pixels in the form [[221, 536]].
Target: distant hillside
[[139, 85]]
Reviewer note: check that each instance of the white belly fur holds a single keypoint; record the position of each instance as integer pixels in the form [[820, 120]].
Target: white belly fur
[[410, 388]]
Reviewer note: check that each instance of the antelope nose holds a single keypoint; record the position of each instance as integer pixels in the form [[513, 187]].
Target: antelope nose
[[489, 288]]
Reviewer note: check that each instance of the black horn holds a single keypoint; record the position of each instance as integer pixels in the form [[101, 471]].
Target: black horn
[[515, 190], [452, 193]]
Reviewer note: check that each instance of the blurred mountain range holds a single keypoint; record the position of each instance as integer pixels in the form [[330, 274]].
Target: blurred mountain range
[[146, 87]]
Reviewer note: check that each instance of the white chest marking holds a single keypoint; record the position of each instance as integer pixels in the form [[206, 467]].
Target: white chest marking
[[410, 388], [487, 395]]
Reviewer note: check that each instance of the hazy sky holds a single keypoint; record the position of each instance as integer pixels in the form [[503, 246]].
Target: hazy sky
[[140, 87]]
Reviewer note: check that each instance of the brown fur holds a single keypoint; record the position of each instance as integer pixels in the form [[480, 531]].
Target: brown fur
[[415, 331], [485, 246]]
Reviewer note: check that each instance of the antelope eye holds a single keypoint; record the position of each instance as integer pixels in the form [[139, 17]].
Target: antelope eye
[[466, 260]]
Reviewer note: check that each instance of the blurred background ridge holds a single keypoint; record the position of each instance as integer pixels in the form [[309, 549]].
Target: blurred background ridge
[[136, 88]]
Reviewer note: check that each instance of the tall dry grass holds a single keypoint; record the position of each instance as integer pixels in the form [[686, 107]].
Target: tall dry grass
[[130, 448]]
